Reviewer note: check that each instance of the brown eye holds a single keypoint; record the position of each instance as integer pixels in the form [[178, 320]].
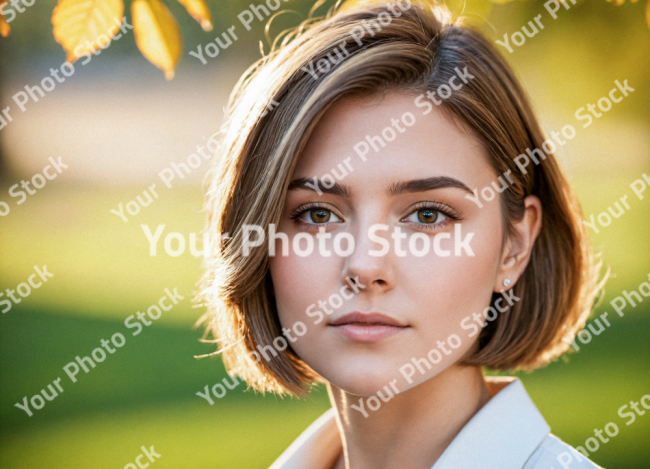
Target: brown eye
[[317, 216], [320, 216], [427, 215]]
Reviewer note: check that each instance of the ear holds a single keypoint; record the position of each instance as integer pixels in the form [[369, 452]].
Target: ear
[[518, 247]]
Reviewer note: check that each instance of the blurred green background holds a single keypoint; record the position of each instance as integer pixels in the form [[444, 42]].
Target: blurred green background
[[117, 123]]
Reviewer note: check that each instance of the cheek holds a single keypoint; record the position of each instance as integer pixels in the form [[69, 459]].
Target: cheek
[[299, 282], [445, 292], [453, 281]]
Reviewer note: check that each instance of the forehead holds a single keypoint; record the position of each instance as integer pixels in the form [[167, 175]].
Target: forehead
[[409, 144]]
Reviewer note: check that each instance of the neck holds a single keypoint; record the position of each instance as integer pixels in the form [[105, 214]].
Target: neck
[[414, 427]]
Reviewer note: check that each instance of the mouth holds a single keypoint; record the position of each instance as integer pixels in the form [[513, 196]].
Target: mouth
[[367, 327]]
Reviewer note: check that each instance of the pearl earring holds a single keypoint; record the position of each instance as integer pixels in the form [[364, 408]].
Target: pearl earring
[[506, 282]]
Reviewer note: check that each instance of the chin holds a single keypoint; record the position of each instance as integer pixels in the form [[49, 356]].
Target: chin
[[364, 379], [360, 379], [361, 386]]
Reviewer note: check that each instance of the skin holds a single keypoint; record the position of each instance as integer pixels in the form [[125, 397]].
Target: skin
[[428, 295]]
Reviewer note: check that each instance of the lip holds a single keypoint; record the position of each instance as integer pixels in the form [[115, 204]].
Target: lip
[[367, 327]]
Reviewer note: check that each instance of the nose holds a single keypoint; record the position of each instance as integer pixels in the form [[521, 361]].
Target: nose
[[375, 273]]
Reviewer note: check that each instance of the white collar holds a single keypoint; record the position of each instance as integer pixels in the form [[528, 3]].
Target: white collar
[[504, 434]]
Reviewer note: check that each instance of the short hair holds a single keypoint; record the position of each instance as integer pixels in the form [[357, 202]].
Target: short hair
[[270, 116]]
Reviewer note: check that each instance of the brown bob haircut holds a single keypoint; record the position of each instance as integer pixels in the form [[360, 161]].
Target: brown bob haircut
[[271, 114]]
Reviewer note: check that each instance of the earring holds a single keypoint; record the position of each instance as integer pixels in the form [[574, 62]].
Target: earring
[[506, 282]]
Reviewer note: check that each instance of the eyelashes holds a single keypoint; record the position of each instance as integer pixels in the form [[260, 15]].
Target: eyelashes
[[321, 211], [310, 206], [435, 209], [322, 214]]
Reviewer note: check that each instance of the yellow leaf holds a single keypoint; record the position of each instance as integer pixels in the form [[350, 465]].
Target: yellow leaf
[[5, 29], [199, 11], [86, 26], [157, 34], [647, 12]]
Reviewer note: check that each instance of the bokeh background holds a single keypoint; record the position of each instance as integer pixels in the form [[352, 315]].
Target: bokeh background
[[117, 123]]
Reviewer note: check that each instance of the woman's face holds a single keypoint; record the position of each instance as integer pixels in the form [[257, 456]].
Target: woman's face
[[418, 183]]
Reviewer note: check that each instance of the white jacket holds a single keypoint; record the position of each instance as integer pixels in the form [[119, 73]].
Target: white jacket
[[507, 433]]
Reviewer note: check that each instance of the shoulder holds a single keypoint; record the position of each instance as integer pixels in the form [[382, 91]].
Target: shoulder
[[553, 453], [318, 447]]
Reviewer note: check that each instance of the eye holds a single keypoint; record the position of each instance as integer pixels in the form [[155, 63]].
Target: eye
[[426, 216], [319, 216], [313, 215]]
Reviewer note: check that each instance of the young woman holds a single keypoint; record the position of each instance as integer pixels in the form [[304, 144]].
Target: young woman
[[396, 222]]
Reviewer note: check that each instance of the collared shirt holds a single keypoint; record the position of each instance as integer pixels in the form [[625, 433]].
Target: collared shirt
[[507, 433]]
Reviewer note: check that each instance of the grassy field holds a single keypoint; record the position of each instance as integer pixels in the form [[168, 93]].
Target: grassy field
[[145, 394]]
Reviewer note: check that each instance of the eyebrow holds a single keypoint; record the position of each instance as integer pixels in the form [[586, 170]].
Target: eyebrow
[[422, 185], [312, 184], [398, 188]]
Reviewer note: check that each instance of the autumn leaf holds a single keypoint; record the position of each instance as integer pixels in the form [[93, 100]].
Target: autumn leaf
[[84, 26], [199, 11], [157, 34], [5, 29], [647, 12]]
